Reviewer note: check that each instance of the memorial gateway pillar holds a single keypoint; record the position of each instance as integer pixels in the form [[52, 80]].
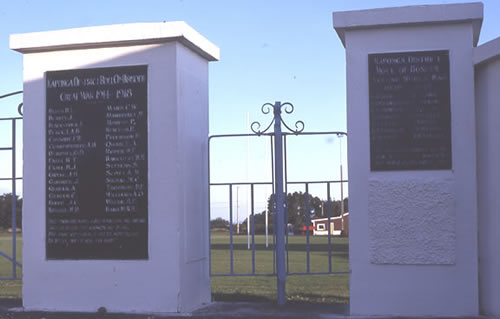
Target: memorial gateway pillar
[[412, 159], [487, 67], [115, 168]]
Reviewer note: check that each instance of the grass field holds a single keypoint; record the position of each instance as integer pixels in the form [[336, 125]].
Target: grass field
[[303, 288], [307, 288], [10, 288]]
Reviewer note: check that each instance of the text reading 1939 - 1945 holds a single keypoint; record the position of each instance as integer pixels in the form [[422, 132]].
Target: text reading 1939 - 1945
[[97, 186]]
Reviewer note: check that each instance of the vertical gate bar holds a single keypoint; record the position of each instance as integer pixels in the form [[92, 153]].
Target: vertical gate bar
[[308, 222], [209, 211], [329, 209], [285, 156], [249, 220], [273, 203], [14, 202], [341, 201], [275, 267], [280, 249], [286, 235], [286, 206], [231, 263], [266, 225], [341, 189], [272, 165], [252, 223]]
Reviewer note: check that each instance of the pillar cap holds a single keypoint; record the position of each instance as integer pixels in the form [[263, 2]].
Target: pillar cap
[[408, 16], [487, 52], [115, 35]]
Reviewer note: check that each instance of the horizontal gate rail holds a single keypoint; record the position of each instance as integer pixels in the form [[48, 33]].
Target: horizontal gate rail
[[252, 234]]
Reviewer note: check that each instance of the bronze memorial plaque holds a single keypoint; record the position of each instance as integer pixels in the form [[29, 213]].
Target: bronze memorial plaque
[[410, 121], [97, 163]]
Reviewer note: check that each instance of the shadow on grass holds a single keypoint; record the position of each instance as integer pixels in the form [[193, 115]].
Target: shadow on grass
[[237, 297], [303, 303], [6, 303], [299, 299]]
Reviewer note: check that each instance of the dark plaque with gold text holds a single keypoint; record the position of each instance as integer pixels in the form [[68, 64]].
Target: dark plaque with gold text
[[410, 125], [97, 163]]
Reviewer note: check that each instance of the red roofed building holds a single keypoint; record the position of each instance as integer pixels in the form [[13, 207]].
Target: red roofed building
[[339, 225]]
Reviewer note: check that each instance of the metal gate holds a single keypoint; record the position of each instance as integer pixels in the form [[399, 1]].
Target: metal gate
[[279, 184], [279, 209], [10, 223]]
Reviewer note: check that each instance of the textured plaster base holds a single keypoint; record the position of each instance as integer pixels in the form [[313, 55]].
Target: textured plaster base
[[412, 221]]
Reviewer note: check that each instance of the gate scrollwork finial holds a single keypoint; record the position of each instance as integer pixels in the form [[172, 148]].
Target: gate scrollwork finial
[[255, 126], [278, 107]]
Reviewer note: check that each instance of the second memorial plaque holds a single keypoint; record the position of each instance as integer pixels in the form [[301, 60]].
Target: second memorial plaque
[[97, 155], [410, 121]]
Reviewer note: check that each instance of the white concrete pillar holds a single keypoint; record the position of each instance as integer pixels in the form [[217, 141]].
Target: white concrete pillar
[[487, 61], [412, 159], [124, 225]]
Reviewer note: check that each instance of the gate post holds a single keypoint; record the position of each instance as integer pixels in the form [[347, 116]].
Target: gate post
[[280, 214], [413, 246], [278, 183], [123, 95]]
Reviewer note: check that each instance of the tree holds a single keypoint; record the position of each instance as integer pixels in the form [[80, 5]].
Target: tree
[[297, 206], [335, 208], [260, 223], [219, 223], [6, 211]]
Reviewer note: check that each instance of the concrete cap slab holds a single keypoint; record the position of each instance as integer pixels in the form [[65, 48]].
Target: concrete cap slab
[[115, 35], [486, 51], [410, 15]]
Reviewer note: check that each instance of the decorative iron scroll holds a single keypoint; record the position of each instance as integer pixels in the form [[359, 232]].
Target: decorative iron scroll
[[277, 108]]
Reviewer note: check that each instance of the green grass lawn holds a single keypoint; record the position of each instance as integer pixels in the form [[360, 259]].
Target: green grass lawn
[[303, 288], [10, 288]]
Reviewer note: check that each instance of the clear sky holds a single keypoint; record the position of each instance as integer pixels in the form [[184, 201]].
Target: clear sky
[[270, 50]]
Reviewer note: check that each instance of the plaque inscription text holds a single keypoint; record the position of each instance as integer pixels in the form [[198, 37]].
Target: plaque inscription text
[[96, 163], [410, 125]]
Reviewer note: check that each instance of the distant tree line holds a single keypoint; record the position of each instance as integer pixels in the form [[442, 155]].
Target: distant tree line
[[297, 207], [6, 211]]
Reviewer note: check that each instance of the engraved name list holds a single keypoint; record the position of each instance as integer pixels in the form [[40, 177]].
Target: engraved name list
[[96, 163], [410, 121]]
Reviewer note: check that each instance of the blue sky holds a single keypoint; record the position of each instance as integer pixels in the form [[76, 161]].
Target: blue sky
[[270, 50]]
